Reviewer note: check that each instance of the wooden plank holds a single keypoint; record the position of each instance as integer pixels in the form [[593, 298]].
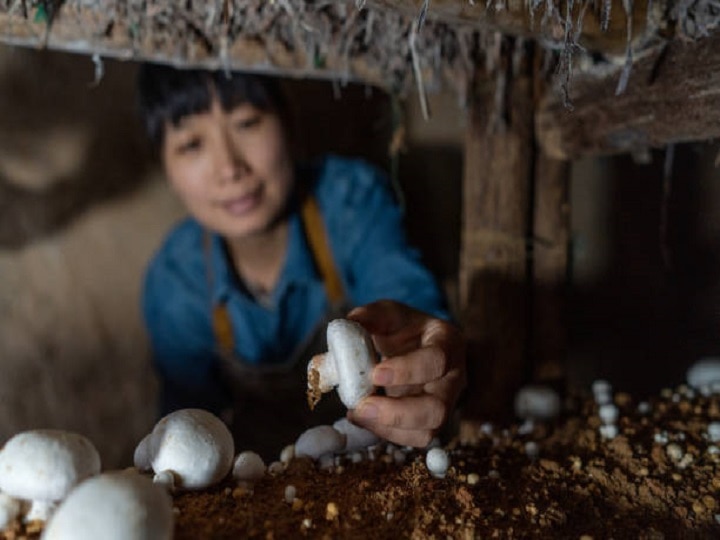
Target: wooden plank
[[494, 261], [673, 96]]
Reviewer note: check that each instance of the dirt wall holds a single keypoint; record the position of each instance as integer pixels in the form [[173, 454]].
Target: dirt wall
[[81, 211]]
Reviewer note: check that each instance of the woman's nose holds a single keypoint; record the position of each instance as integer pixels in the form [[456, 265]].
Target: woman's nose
[[231, 163]]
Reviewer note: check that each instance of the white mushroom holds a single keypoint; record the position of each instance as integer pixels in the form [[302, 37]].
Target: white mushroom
[[113, 506], [193, 444], [318, 441], [357, 438], [537, 402], [602, 392], [644, 408], [532, 449], [287, 454], [704, 373], [437, 461], [713, 431], [347, 365], [248, 467], [290, 493], [608, 413], [43, 465]]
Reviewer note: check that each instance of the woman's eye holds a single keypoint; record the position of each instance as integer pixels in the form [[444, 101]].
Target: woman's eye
[[189, 146], [248, 123]]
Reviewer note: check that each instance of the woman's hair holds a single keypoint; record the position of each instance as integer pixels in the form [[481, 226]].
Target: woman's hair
[[167, 94]]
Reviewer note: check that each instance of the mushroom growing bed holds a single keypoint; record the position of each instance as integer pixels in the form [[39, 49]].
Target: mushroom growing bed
[[657, 477]]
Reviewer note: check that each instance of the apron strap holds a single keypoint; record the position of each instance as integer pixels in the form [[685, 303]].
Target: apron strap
[[220, 318], [320, 248], [317, 238]]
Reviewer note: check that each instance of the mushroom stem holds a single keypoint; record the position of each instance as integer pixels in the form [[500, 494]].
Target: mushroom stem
[[40, 510], [322, 377], [166, 479]]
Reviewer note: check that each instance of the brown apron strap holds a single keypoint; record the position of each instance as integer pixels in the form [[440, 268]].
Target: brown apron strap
[[221, 323], [320, 247], [316, 233]]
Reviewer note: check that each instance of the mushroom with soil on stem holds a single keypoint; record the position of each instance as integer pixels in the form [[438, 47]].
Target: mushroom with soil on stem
[[42, 466], [347, 365], [113, 506], [187, 449]]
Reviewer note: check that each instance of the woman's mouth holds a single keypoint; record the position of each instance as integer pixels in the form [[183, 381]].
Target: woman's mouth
[[239, 206]]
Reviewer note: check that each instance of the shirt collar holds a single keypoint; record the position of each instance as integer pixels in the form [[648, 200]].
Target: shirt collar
[[221, 276], [298, 268]]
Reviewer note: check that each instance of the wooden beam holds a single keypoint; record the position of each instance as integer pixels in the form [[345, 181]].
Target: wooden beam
[[514, 18], [494, 260], [190, 36], [673, 96], [103, 30]]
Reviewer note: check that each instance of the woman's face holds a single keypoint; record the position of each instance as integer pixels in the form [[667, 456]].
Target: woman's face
[[232, 170]]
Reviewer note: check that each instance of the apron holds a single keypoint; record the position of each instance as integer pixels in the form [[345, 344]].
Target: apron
[[270, 408]]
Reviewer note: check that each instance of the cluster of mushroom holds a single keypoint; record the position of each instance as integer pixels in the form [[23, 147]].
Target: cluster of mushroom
[[607, 410], [54, 476]]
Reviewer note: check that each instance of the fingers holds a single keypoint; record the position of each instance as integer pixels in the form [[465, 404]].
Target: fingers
[[382, 317], [423, 372], [425, 412], [418, 367]]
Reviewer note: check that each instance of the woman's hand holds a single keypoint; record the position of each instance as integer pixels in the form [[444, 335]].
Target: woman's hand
[[422, 372]]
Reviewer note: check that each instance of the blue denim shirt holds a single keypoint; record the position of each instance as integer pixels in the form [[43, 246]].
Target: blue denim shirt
[[366, 236]]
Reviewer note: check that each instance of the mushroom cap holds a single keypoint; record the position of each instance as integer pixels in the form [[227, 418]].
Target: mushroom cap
[[704, 372], [357, 438], [141, 457], [113, 506], [319, 440], [195, 445], [437, 461], [45, 464], [354, 354], [537, 402], [249, 466]]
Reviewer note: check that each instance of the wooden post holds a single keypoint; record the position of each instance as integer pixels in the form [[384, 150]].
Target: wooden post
[[494, 264], [551, 233]]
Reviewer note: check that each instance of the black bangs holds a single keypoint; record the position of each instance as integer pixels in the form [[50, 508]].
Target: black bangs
[[260, 91], [167, 94]]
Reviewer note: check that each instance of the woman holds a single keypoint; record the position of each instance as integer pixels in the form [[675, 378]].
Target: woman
[[237, 295]]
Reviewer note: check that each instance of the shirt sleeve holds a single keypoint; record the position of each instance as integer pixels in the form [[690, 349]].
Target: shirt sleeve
[[380, 262], [178, 324]]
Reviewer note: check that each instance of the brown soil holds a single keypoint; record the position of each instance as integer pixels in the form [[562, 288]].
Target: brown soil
[[578, 486]]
